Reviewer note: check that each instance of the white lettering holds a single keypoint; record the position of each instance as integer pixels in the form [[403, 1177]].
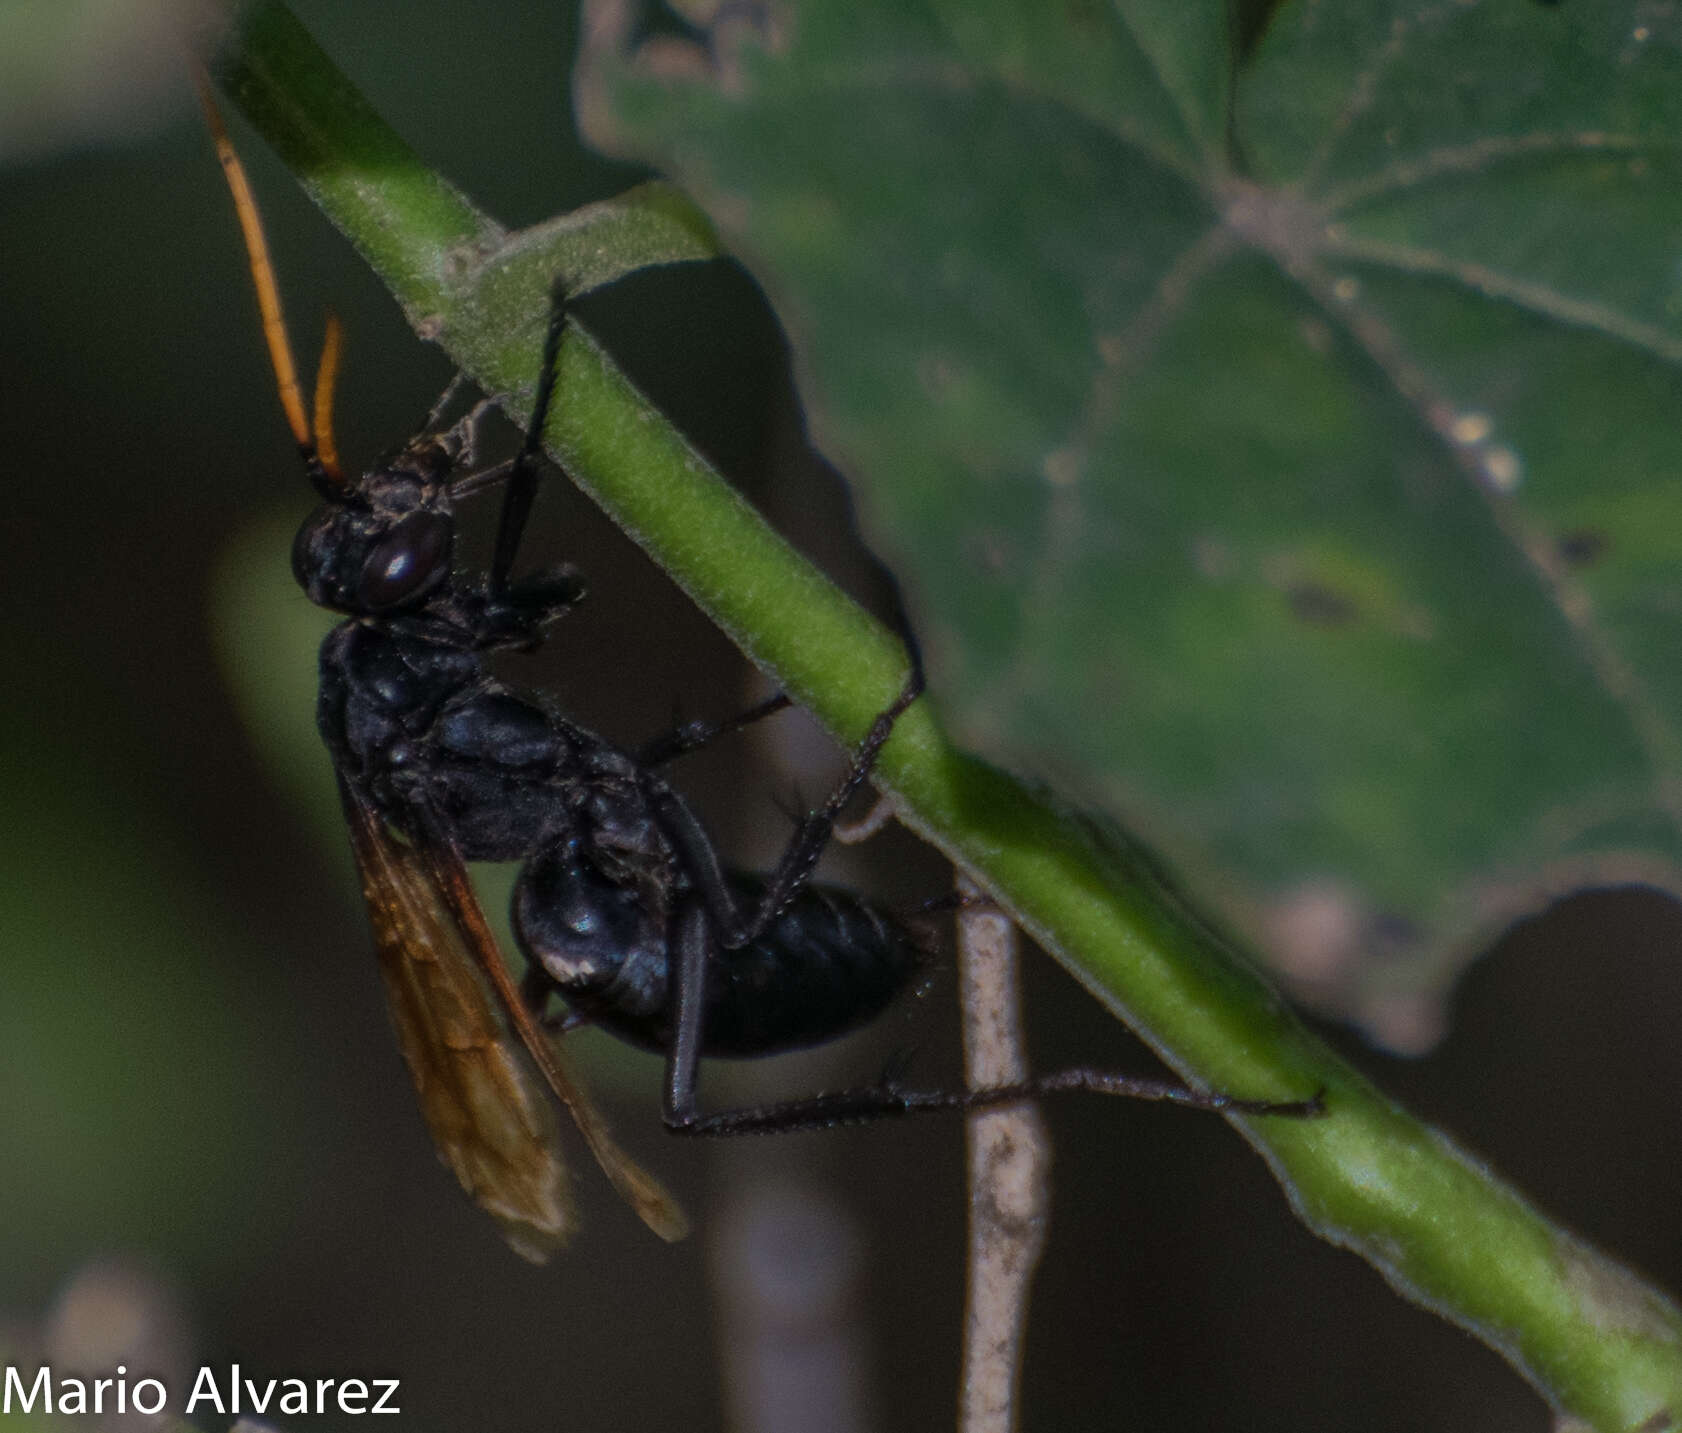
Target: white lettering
[[42, 1388], [224, 1391], [72, 1396], [204, 1387]]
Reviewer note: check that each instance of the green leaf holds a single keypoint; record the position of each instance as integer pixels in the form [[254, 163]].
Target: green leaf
[[1280, 448]]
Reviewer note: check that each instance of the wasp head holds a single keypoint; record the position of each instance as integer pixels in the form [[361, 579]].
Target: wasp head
[[385, 543]]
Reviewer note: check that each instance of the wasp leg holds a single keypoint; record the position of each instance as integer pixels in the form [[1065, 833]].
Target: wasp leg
[[692, 735], [522, 477], [888, 1098], [801, 855]]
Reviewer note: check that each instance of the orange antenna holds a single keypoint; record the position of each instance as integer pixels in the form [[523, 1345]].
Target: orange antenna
[[268, 300], [326, 376]]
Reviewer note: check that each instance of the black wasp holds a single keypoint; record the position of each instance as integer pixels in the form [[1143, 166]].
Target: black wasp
[[623, 906]]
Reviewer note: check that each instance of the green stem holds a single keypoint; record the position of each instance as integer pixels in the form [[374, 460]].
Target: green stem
[[1445, 1231]]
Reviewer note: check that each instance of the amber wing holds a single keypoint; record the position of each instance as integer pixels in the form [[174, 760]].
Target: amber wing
[[489, 1112], [482, 1068]]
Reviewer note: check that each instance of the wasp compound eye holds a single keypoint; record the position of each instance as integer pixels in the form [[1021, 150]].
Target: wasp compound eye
[[407, 562]]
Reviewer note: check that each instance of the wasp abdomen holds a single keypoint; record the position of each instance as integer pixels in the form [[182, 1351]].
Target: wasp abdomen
[[827, 963]]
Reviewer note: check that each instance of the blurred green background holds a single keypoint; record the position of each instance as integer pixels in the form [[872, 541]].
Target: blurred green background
[[202, 1112]]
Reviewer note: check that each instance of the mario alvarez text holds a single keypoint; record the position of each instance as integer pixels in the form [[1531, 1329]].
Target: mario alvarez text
[[226, 1391]]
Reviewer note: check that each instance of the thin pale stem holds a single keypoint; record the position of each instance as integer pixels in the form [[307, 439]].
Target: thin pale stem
[[1009, 1170]]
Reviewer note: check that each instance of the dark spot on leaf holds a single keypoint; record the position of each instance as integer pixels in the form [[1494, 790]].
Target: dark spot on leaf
[[1392, 935], [1319, 605], [1253, 17], [664, 21], [1583, 546], [1083, 14], [991, 552]]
